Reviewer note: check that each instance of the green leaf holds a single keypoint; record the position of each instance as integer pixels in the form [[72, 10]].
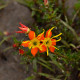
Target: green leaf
[[71, 29], [2, 6], [21, 2], [28, 3], [36, 30], [46, 66], [15, 53], [77, 5], [1, 34], [8, 48], [33, 13], [48, 76], [5, 38], [15, 40], [35, 65], [30, 78], [43, 60], [59, 65]]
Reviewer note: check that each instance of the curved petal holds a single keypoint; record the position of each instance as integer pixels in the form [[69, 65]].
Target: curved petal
[[53, 42], [25, 43], [31, 35], [22, 25], [34, 51], [51, 49], [48, 33], [20, 32], [43, 49], [24, 29], [40, 36]]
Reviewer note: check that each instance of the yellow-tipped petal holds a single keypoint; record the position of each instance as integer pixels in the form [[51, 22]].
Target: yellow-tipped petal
[[47, 52], [49, 33], [58, 39], [56, 35], [25, 43], [41, 36], [55, 47]]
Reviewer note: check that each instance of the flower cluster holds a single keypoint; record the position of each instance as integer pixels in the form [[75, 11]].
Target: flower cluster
[[41, 43]]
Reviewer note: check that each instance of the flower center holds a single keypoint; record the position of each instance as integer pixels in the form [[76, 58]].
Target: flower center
[[47, 42], [35, 42]]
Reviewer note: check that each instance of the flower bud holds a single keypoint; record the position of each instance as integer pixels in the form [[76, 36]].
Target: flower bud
[[45, 2]]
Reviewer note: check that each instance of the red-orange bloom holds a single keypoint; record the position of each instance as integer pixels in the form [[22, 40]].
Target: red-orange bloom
[[23, 28], [49, 42], [33, 43]]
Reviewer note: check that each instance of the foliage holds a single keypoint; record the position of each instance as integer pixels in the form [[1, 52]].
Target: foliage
[[2, 4], [64, 61], [5, 37]]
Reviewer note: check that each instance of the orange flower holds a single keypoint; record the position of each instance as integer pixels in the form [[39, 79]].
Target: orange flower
[[49, 42], [33, 43], [23, 28]]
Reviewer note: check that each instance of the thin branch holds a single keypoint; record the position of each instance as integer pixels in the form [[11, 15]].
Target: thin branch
[[75, 15]]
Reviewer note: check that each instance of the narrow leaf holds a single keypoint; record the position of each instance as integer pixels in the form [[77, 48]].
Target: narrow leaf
[[30, 78]]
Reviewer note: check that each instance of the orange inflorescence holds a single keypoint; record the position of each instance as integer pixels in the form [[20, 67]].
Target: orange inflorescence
[[49, 42], [33, 43], [41, 43]]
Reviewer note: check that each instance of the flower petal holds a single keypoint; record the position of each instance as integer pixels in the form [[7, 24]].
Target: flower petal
[[34, 51], [20, 32], [51, 48], [48, 33], [23, 26], [25, 43], [40, 36], [24, 29], [53, 42], [31, 35], [43, 49]]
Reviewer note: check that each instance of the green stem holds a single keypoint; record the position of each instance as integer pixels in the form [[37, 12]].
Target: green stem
[[75, 15], [2, 42], [7, 48], [5, 38], [65, 43]]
